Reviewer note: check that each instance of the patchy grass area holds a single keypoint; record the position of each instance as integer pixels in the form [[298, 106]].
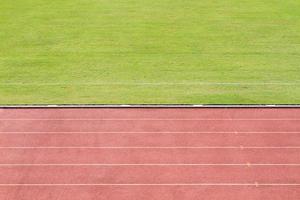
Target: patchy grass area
[[133, 51]]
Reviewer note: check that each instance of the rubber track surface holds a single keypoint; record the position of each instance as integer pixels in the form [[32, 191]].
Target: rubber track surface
[[150, 153]]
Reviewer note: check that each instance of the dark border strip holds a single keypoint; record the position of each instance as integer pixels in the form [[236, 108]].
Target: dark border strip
[[150, 106]]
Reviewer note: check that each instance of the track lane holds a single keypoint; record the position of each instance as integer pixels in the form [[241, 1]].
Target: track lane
[[154, 139], [137, 113], [140, 156], [149, 192], [149, 125], [149, 174]]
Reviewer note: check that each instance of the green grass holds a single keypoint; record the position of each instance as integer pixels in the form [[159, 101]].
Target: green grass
[[149, 51]]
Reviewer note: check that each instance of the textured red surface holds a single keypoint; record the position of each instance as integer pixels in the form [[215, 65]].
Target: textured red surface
[[150, 153]]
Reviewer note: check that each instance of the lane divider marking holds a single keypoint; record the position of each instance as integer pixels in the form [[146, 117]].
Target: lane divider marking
[[150, 132], [149, 164], [149, 119], [147, 147], [152, 184]]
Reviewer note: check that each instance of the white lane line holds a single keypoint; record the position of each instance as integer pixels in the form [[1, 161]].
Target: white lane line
[[151, 132], [151, 184], [154, 147], [150, 164], [151, 83], [151, 119]]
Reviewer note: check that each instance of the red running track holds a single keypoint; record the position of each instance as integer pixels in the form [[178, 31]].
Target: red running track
[[150, 153]]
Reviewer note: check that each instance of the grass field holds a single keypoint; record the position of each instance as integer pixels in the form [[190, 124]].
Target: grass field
[[149, 51]]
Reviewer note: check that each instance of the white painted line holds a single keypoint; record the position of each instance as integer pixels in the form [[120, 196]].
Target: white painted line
[[155, 147], [151, 184], [151, 132], [148, 83], [151, 119], [150, 164]]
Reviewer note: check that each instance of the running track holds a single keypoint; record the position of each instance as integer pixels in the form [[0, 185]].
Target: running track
[[150, 153]]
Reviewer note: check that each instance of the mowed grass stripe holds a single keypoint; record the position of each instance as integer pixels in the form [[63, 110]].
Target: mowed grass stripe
[[148, 94]]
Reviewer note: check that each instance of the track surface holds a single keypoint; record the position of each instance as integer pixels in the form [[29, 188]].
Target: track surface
[[150, 153]]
